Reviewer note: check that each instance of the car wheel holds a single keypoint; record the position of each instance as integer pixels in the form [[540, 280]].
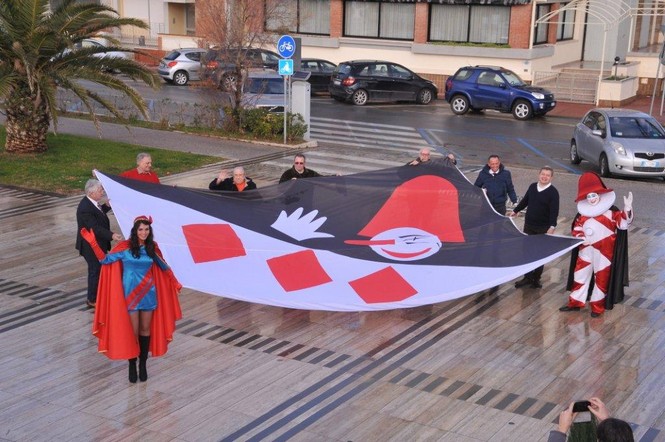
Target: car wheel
[[180, 78], [574, 156], [424, 96], [229, 82], [360, 97], [522, 110], [604, 166], [459, 105]]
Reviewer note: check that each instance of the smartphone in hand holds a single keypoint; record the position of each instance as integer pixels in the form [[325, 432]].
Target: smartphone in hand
[[581, 406]]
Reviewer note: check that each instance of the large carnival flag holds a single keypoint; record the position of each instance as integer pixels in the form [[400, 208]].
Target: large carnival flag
[[392, 238]]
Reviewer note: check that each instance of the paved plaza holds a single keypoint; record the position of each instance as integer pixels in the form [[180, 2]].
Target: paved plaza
[[494, 366]]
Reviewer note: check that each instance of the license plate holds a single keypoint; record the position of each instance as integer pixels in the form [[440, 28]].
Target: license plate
[[336, 82], [648, 163]]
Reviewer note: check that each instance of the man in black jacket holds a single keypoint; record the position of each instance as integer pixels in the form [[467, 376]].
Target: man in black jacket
[[236, 183], [543, 201], [91, 214], [298, 170], [497, 183]]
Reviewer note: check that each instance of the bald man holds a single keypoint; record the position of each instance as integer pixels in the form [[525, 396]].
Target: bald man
[[425, 154], [236, 183]]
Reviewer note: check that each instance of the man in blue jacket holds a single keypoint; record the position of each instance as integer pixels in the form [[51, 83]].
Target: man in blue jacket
[[497, 183]]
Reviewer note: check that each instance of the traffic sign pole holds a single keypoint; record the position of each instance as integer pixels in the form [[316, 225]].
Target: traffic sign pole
[[286, 47]]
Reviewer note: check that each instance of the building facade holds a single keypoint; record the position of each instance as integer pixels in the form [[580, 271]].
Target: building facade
[[436, 37]]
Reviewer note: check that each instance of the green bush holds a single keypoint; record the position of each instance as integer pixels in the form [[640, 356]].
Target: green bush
[[260, 123]]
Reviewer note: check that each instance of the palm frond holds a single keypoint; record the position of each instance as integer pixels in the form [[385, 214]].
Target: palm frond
[[39, 55]]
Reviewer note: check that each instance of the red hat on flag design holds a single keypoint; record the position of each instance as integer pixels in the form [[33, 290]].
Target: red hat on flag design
[[590, 182], [428, 202]]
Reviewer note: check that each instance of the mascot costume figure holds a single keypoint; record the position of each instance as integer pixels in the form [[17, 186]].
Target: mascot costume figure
[[599, 267]]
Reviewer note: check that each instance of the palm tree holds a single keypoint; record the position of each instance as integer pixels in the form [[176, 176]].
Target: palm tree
[[38, 55]]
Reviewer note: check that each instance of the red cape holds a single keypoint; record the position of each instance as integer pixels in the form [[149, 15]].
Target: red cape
[[111, 324]]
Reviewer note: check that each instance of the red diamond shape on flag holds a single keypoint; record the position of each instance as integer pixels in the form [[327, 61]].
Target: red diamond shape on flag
[[212, 242], [297, 271], [383, 286]]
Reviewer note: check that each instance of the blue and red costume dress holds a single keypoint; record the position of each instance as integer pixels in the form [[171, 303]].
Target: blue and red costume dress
[[127, 284]]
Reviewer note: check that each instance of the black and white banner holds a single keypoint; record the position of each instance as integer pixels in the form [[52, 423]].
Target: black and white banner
[[392, 238]]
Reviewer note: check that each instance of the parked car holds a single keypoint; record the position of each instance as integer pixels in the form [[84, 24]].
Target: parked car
[[101, 43], [477, 88], [321, 71], [181, 65], [219, 65], [620, 141], [364, 81], [263, 89]]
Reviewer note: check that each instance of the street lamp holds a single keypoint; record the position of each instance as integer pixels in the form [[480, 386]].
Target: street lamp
[[617, 59]]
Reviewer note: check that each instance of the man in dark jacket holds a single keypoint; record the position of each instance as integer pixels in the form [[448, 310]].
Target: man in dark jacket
[[497, 183], [236, 183], [91, 214], [298, 170]]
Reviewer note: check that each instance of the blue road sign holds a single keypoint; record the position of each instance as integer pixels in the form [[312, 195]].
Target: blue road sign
[[285, 67], [286, 46]]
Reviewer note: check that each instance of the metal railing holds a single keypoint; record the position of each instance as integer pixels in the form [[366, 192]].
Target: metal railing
[[576, 87]]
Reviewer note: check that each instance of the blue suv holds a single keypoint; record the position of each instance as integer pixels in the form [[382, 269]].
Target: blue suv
[[489, 87]]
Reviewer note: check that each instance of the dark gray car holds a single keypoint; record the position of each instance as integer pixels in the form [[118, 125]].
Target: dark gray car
[[363, 81], [220, 65]]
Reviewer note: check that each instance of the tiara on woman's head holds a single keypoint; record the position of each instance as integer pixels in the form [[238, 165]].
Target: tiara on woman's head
[[147, 219]]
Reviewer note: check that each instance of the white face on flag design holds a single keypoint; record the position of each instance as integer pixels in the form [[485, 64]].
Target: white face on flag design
[[402, 244]]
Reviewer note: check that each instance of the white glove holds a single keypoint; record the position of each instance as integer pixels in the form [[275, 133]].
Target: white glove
[[628, 202], [299, 226]]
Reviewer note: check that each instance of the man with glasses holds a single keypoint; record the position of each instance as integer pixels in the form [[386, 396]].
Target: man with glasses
[[298, 170]]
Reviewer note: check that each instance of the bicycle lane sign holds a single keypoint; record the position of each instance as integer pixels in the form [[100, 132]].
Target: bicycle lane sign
[[286, 46]]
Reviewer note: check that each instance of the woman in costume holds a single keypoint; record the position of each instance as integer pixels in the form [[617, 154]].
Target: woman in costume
[[137, 299]]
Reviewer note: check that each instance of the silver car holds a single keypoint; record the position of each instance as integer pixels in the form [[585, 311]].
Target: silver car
[[621, 142], [181, 65], [263, 89]]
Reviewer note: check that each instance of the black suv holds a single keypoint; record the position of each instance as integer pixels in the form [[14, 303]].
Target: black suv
[[362, 81], [489, 87], [219, 65]]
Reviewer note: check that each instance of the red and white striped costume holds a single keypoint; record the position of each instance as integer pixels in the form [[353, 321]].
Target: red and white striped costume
[[596, 254]]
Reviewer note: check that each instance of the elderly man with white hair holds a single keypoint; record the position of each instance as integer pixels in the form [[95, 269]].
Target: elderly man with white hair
[[143, 170], [236, 183], [425, 154]]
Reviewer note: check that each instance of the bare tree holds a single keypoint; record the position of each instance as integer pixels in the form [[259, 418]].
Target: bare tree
[[229, 28]]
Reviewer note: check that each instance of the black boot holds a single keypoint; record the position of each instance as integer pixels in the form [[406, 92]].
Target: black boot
[[133, 376], [524, 281], [144, 344]]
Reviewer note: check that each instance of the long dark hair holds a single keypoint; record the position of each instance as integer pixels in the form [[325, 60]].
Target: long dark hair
[[134, 244]]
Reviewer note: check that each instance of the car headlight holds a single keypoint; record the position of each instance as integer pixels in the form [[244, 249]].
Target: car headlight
[[538, 95], [618, 148]]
